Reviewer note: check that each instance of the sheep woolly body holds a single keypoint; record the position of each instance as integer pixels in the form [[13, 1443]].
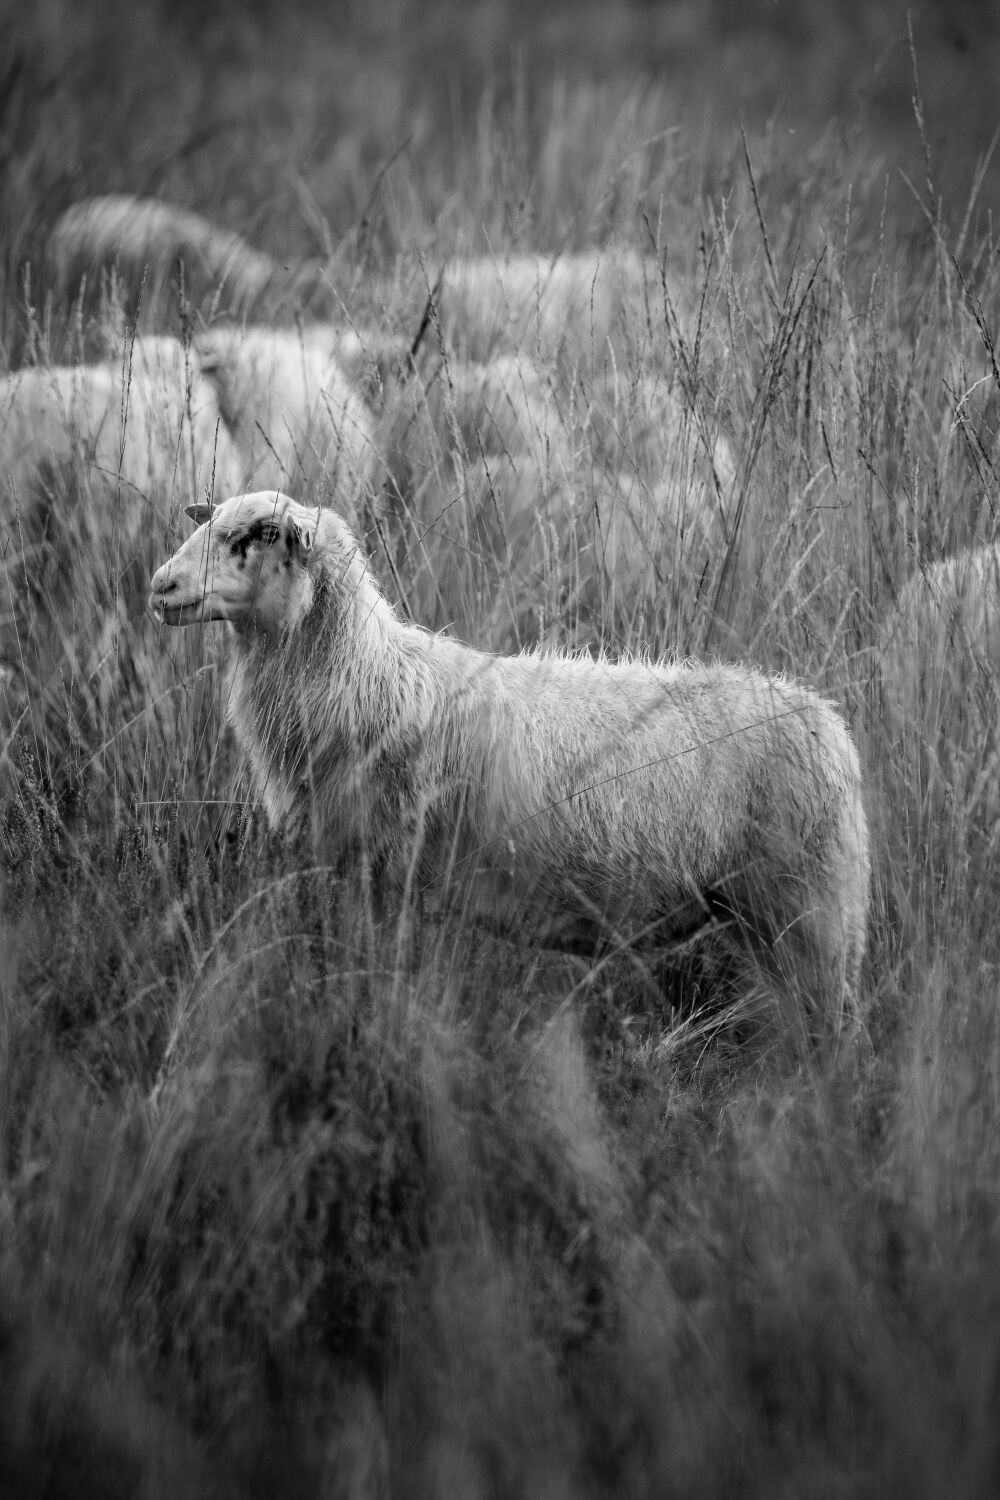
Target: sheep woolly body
[[242, 406], [148, 418], [144, 232], [939, 662], [291, 405], [598, 794], [594, 498], [942, 639]]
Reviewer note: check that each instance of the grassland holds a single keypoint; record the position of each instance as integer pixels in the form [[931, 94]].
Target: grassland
[[287, 1209]]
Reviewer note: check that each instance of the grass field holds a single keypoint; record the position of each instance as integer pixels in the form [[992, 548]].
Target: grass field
[[287, 1208]]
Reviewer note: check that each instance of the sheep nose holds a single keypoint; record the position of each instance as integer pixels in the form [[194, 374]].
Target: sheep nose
[[161, 583]]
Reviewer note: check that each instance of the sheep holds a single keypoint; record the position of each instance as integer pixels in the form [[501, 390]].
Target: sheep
[[577, 800], [149, 424], [657, 486], [499, 413], [143, 233], [582, 502], [476, 466], [90, 456], [641, 428], [939, 661], [292, 407], [571, 301]]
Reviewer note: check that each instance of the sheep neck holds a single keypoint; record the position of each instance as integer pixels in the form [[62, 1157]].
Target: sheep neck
[[330, 688]]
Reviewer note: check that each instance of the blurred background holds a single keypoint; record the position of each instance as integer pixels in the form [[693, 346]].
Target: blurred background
[[277, 118]]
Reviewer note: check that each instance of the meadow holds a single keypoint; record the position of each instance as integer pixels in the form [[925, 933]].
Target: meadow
[[291, 1205]]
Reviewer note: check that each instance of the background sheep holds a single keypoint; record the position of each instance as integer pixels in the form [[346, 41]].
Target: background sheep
[[92, 461], [140, 235], [148, 424], [939, 660], [477, 466], [543, 303], [586, 505], [588, 500], [641, 429], [597, 802], [292, 408], [656, 481]]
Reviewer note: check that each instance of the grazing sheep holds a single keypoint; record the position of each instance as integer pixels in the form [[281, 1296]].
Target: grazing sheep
[[149, 423], [544, 303], [658, 484], [140, 233], [583, 799], [641, 428], [293, 409], [92, 462], [940, 670], [477, 466], [586, 504], [498, 415]]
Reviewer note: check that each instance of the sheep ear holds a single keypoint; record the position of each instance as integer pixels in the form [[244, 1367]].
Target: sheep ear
[[298, 536], [199, 513]]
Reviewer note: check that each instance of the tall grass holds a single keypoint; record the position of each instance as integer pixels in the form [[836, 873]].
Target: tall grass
[[290, 1204]]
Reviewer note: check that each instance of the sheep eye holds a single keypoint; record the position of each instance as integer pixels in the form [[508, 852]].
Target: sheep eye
[[262, 533]]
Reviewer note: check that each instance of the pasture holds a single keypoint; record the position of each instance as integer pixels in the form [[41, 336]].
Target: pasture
[[294, 1201]]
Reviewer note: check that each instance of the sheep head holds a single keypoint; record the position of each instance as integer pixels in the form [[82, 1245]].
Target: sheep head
[[246, 563]]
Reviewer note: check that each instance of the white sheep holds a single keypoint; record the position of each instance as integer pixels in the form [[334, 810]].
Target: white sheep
[[457, 413], [584, 800], [939, 660], [651, 494], [643, 430], [543, 303], [477, 467], [149, 424], [141, 233], [93, 461], [293, 407], [570, 500]]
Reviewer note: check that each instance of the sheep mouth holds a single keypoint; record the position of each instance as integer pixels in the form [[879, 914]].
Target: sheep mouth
[[174, 612]]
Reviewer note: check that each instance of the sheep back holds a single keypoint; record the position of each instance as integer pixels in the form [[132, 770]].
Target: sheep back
[[939, 663], [148, 421], [292, 409]]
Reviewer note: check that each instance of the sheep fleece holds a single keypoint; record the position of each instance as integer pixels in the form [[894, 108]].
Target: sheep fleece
[[559, 788]]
